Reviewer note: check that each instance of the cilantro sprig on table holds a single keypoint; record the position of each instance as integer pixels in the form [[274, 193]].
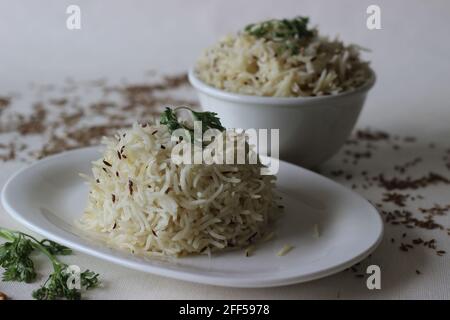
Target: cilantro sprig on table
[[15, 258]]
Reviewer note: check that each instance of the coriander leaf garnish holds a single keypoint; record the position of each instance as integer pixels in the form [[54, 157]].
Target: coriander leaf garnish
[[209, 120], [169, 118], [15, 258], [287, 32]]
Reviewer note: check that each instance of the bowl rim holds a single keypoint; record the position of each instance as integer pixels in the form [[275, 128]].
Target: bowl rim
[[251, 99]]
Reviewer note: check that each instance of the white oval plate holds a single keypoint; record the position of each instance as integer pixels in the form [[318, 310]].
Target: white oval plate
[[49, 196]]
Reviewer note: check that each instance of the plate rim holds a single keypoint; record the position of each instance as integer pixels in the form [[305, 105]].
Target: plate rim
[[179, 274]]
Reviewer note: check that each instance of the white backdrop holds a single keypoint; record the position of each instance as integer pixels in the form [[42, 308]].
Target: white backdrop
[[123, 39]]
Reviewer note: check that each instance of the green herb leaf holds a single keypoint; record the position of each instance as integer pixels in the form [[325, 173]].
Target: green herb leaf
[[209, 120], [15, 259], [169, 118], [288, 33], [55, 248], [89, 279], [56, 286]]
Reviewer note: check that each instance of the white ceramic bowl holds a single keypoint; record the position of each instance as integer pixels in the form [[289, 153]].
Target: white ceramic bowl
[[312, 129]]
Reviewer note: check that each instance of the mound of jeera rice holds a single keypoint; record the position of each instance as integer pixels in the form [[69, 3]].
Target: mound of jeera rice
[[142, 201], [282, 58]]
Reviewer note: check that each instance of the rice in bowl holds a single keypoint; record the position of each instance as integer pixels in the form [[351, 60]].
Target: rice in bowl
[[282, 58]]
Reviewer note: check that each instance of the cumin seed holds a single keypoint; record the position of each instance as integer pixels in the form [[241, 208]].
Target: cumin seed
[[130, 187]]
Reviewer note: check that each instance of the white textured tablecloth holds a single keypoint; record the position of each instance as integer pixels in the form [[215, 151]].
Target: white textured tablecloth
[[123, 39]]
